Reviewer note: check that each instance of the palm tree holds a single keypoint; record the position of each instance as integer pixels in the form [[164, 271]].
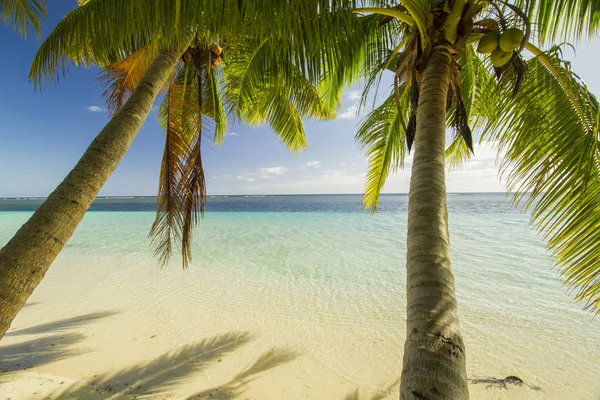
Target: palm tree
[[21, 14], [545, 119], [534, 109], [177, 49], [201, 95]]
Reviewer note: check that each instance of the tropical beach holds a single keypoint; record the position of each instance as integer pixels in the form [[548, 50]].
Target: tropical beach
[[257, 317], [299, 199]]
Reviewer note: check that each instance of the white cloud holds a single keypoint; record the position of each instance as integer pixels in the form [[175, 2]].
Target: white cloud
[[227, 176], [94, 109], [233, 134], [271, 172], [354, 95], [245, 176], [333, 173], [480, 174], [349, 113], [215, 177], [313, 164]]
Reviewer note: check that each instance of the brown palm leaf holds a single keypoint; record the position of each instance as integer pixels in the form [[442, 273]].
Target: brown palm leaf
[[195, 197], [170, 215], [182, 189], [120, 78], [194, 181]]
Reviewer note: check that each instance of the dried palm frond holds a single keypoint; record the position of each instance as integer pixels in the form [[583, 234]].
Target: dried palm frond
[[170, 221], [120, 78], [192, 102]]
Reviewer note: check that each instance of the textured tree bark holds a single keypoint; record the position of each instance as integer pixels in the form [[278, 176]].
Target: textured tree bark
[[28, 255], [434, 364]]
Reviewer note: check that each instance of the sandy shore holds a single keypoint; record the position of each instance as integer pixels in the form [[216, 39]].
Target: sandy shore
[[127, 330], [233, 365]]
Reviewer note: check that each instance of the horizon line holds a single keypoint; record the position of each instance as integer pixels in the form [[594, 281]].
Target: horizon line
[[242, 195]]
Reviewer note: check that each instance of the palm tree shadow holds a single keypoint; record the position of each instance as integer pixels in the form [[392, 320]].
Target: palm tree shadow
[[381, 394], [63, 324], [238, 385], [158, 375], [36, 352], [40, 351]]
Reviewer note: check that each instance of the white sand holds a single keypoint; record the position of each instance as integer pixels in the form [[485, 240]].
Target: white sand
[[131, 331]]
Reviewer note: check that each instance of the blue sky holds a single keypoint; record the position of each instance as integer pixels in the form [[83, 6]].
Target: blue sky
[[44, 133]]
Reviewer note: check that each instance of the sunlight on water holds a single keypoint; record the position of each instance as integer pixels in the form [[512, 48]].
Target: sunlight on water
[[318, 274]]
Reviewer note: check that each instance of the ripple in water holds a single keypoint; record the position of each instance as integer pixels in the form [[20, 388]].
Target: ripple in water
[[320, 274]]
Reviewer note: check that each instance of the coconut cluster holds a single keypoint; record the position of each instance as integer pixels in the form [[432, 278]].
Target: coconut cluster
[[215, 55], [500, 46]]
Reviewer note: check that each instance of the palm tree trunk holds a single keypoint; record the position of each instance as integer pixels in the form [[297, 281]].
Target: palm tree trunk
[[434, 353], [28, 255]]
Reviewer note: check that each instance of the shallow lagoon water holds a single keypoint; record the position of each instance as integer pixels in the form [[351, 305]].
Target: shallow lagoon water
[[314, 277]]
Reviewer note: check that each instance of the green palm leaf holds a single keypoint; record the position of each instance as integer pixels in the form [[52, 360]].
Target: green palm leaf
[[550, 135], [263, 85], [476, 83], [213, 105], [563, 19], [382, 135], [75, 38], [22, 13]]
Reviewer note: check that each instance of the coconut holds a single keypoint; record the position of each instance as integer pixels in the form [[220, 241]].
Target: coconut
[[488, 43], [215, 48], [500, 58], [511, 39]]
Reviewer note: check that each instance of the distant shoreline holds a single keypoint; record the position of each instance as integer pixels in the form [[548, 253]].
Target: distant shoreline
[[248, 195]]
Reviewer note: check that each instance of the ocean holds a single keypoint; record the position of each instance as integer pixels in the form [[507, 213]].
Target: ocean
[[320, 279]]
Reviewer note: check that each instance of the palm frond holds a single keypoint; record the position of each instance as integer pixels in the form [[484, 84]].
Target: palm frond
[[191, 105], [22, 13], [561, 20], [196, 195], [120, 78], [364, 51], [549, 132], [213, 105], [263, 85], [385, 48], [76, 38], [457, 153], [475, 83], [282, 116], [170, 222], [382, 135], [412, 13], [245, 66]]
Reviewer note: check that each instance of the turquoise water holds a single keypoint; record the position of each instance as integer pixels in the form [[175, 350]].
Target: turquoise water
[[328, 265]]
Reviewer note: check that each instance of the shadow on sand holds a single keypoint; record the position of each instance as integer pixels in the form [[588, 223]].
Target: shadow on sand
[[238, 384], [155, 378], [47, 349], [391, 391], [63, 324], [162, 374], [36, 352]]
